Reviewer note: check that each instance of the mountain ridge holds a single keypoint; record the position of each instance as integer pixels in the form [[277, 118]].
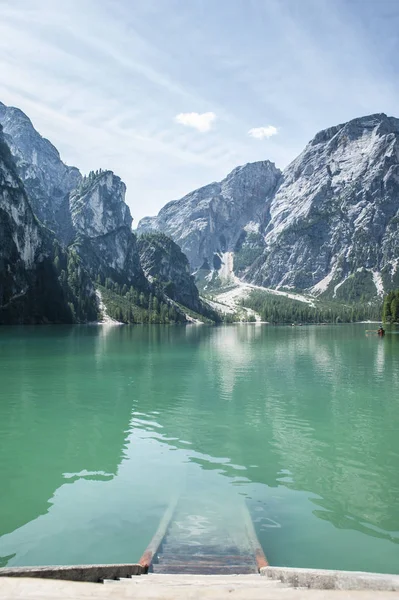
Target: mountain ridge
[[210, 219], [47, 179], [330, 218], [90, 228]]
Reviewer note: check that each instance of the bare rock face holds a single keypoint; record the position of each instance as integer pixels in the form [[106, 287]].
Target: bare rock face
[[335, 215], [102, 222], [209, 221], [98, 205], [47, 180], [29, 289]]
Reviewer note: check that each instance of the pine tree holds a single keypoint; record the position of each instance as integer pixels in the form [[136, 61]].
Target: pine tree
[[387, 308], [164, 313], [72, 309], [395, 309]]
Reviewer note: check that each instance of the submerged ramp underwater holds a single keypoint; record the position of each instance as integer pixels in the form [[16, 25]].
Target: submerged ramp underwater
[[204, 538]]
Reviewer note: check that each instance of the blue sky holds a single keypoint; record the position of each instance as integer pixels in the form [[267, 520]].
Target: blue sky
[[173, 94]]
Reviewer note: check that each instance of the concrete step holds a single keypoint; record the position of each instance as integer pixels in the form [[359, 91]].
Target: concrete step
[[190, 540], [194, 569], [177, 579], [198, 548], [206, 559], [158, 579]]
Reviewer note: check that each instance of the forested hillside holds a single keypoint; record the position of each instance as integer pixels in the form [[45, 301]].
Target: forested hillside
[[390, 311], [280, 309]]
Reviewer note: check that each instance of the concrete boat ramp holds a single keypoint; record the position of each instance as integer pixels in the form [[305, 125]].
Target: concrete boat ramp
[[197, 538], [195, 553]]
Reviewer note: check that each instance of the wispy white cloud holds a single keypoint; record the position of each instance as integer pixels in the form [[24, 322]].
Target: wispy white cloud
[[83, 109], [105, 88], [200, 121], [260, 133]]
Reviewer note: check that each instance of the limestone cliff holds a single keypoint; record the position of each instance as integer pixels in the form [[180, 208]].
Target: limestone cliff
[[47, 180], [335, 215], [31, 289], [101, 223], [211, 220]]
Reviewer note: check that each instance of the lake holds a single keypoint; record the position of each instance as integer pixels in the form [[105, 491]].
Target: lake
[[101, 426]]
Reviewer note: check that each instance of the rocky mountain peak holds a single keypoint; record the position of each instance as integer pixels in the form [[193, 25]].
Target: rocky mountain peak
[[25, 140], [251, 171], [329, 220], [346, 155], [47, 179], [357, 128], [98, 205], [335, 211], [209, 221], [101, 228], [250, 177]]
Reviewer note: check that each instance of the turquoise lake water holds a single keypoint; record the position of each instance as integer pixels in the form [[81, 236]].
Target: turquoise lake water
[[101, 426]]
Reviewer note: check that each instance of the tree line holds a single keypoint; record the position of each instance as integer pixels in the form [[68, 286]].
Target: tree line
[[280, 309], [390, 308], [129, 305]]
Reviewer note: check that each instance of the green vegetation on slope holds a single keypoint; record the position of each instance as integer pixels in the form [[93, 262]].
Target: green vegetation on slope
[[390, 310], [88, 180], [280, 309], [247, 251], [128, 305], [358, 288], [76, 285], [168, 268]]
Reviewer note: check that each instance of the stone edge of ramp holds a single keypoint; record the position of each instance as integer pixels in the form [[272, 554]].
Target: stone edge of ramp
[[323, 579], [93, 573]]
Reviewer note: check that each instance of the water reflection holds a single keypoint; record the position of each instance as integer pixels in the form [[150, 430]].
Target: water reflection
[[49, 427], [101, 425]]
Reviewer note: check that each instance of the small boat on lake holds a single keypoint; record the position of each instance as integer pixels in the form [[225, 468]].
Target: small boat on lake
[[380, 331]]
